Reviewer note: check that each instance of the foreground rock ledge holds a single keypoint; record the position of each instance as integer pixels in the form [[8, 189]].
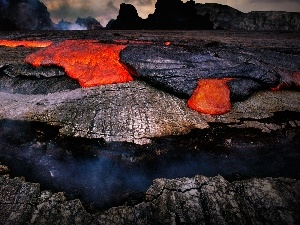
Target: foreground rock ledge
[[197, 200], [136, 112]]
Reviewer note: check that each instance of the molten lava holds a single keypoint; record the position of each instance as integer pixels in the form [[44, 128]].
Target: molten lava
[[212, 96], [167, 43], [89, 62], [28, 44]]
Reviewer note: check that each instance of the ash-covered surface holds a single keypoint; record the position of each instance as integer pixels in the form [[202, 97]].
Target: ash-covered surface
[[258, 137]]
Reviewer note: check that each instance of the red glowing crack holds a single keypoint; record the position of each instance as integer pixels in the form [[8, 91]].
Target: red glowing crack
[[212, 96], [90, 62], [27, 44]]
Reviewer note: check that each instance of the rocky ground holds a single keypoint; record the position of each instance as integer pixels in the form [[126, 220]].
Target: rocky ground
[[147, 109]]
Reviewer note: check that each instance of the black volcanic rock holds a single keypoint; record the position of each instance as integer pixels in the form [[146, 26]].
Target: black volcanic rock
[[178, 70], [169, 14], [26, 15], [196, 200], [90, 23], [226, 17], [128, 19], [174, 14], [24, 79]]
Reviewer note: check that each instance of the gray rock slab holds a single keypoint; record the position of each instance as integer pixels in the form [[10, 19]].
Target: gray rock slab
[[133, 112], [178, 69], [197, 200], [22, 79]]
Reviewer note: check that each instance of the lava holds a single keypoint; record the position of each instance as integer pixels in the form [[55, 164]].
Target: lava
[[27, 44], [211, 96], [90, 62], [167, 43]]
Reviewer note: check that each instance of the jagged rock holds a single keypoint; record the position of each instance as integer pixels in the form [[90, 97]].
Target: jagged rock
[[25, 79], [63, 25], [128, 19], [178, 70], [27, 14], [131, 112], [169, 14], [197, 200], [90, 23], [225, 17]]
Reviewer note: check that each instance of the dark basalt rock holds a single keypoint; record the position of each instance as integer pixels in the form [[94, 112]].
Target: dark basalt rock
[[90, 23], [178, 70], [197, 200], [33, 72], [127, 19], [226, 17], [168, 15], [26, 14], [25, 79]]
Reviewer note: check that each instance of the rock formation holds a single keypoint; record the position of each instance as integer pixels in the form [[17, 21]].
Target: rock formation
[[142, 111], [128, 19], [228, 18], [26, 15], [90, 23], [169, 14], [197, 200]]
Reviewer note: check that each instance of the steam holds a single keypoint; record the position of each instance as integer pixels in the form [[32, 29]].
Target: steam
[[103, 174], [76, 26]]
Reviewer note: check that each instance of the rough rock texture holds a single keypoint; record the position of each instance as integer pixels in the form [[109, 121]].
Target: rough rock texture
[[178, 69], [133, 111], [197, 200], [26, 15], [225, 18], [31, 81], [124, 112], [140, 111]]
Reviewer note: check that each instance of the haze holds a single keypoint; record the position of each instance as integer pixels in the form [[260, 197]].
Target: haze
[[104, 10]]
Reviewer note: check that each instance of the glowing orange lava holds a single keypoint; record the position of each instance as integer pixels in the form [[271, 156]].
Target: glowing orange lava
[[212, 96], [28, 44], [167, 43], [89, 62]]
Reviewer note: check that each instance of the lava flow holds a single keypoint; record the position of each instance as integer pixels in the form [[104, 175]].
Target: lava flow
[[27, 44], [90, 62], [212, 96]]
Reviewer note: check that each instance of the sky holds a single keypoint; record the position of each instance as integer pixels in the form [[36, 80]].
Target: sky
[[104, 10]]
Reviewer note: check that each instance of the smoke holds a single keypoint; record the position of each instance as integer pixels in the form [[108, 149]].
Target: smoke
[[104, 175], [76, 26]]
